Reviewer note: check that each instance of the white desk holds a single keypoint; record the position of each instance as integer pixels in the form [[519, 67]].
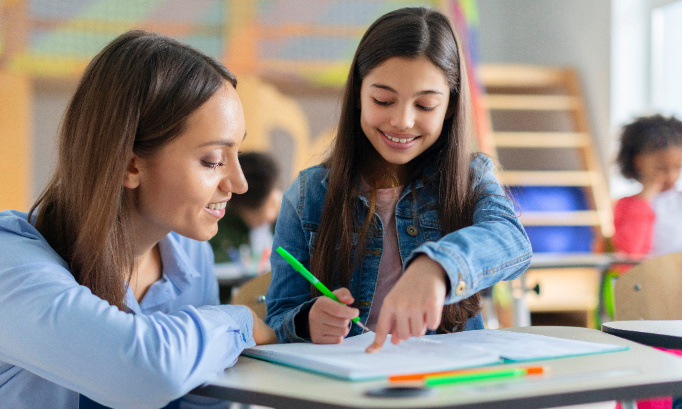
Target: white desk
[[639, 372], [663, 334]]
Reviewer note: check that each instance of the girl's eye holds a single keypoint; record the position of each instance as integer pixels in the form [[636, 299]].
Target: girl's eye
[[382, 103], [212, 165], [425, 108]]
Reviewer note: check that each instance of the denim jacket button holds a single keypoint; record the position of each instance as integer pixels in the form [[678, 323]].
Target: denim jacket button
[[461, 288], [412, 230]]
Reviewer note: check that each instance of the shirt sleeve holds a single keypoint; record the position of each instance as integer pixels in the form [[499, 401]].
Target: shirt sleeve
[[633, 219], [494, 248], [60, 331]]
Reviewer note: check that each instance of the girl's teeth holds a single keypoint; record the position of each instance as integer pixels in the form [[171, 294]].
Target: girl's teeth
[[400, 140]]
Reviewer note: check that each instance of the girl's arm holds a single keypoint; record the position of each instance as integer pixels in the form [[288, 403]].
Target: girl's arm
[[494, 248], [289, 292], [633, 219], [60, 331]]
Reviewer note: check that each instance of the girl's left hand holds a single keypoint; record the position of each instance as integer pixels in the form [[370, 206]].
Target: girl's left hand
[[414, 304]]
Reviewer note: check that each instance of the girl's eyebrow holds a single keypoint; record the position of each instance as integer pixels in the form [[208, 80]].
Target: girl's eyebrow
[[221, 142], [424, 92]]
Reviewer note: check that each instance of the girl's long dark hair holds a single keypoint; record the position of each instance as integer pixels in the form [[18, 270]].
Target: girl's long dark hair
[[407, 33], [135, 96]]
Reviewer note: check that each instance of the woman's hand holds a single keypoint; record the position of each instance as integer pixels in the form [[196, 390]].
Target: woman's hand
[[414, 305], [262, 333], [328, 320]]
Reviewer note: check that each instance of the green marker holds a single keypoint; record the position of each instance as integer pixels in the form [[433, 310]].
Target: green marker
[[439, 380], [310, 277]]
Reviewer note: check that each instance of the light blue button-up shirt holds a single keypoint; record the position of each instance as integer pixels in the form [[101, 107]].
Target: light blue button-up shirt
[[57, 339]]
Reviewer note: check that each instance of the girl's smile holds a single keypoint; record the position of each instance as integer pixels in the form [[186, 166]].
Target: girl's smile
[[399, 141]]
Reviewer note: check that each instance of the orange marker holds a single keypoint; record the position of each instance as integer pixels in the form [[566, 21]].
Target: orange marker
[[530, 370]]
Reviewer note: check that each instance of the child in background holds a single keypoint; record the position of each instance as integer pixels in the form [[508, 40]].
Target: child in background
[[250, 216], [107, 290], [650, 222], [402, 222]]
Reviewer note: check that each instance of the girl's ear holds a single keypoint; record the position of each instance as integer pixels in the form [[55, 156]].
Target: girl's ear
[[131, 180]]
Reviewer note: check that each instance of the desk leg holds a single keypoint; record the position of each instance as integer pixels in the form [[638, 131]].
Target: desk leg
[[521, 311], [628, 404]]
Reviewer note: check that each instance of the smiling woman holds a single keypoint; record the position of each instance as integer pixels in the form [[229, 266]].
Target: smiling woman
[[110, 267]]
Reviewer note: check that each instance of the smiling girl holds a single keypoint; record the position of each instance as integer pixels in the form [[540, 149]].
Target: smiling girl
[[107, 289], [402, 221]]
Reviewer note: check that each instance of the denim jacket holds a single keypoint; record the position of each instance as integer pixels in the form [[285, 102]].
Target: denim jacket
[[494, 248]]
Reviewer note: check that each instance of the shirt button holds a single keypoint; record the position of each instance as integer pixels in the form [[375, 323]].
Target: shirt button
[[412, 230], [461, 288]]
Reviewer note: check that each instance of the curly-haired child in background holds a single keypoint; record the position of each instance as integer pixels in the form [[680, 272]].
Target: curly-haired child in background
[[650, 222]]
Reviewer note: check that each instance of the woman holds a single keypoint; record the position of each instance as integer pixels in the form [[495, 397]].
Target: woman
[[106, 285]]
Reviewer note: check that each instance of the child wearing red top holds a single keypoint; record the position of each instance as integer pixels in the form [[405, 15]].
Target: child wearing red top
[[650, 222]]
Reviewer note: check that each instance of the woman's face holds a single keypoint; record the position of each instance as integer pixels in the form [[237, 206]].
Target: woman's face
[[185, 185], [403, 105]]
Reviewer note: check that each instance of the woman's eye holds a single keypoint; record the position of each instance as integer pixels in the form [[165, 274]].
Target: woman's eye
[[382, 103], [212, 165]]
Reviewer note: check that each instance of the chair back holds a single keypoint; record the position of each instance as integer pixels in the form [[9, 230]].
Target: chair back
[[252, 294], [650, 290]]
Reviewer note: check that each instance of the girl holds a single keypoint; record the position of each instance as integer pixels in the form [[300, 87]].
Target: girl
[[650, 222], [106, 286], [401, 220]]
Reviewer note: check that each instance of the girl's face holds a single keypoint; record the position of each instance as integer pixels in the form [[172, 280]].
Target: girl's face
[[403, 105], [185, 185], [661, 166]]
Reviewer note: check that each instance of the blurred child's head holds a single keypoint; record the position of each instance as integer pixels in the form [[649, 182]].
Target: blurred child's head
[[260, 203], [408, 34], [652, 147]]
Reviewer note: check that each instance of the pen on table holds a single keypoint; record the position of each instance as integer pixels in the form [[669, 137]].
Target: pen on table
[[530, 370], [439, 380], [314, 281]]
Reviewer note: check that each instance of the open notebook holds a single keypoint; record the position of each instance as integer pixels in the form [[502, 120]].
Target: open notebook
[[429, 353]]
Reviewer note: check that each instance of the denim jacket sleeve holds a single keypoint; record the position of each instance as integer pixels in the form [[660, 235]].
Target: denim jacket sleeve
[[494, 248], [289, 291]]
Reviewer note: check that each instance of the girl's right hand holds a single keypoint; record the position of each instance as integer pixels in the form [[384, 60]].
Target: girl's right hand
[[328, 320]]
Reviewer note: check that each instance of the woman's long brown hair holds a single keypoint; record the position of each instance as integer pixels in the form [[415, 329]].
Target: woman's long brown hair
[[407, 33], [134, 96]]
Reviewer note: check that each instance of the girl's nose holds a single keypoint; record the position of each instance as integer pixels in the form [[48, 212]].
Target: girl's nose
[[403, 119], [233, 180]]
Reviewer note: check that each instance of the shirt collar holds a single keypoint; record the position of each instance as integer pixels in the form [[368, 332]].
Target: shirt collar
[[178, 272]]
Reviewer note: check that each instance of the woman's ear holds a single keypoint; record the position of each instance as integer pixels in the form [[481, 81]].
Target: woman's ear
[[131, 180]]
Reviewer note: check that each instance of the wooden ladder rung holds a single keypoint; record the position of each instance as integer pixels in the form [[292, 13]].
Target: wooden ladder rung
[[521, 76], [566, 218], [541, 139], [548, 178], [519, 102]]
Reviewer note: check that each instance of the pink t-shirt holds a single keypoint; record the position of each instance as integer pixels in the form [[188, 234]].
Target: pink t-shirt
[[390, 266]]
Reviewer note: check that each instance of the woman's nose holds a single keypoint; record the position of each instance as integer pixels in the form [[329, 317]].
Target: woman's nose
[[234, 180]]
